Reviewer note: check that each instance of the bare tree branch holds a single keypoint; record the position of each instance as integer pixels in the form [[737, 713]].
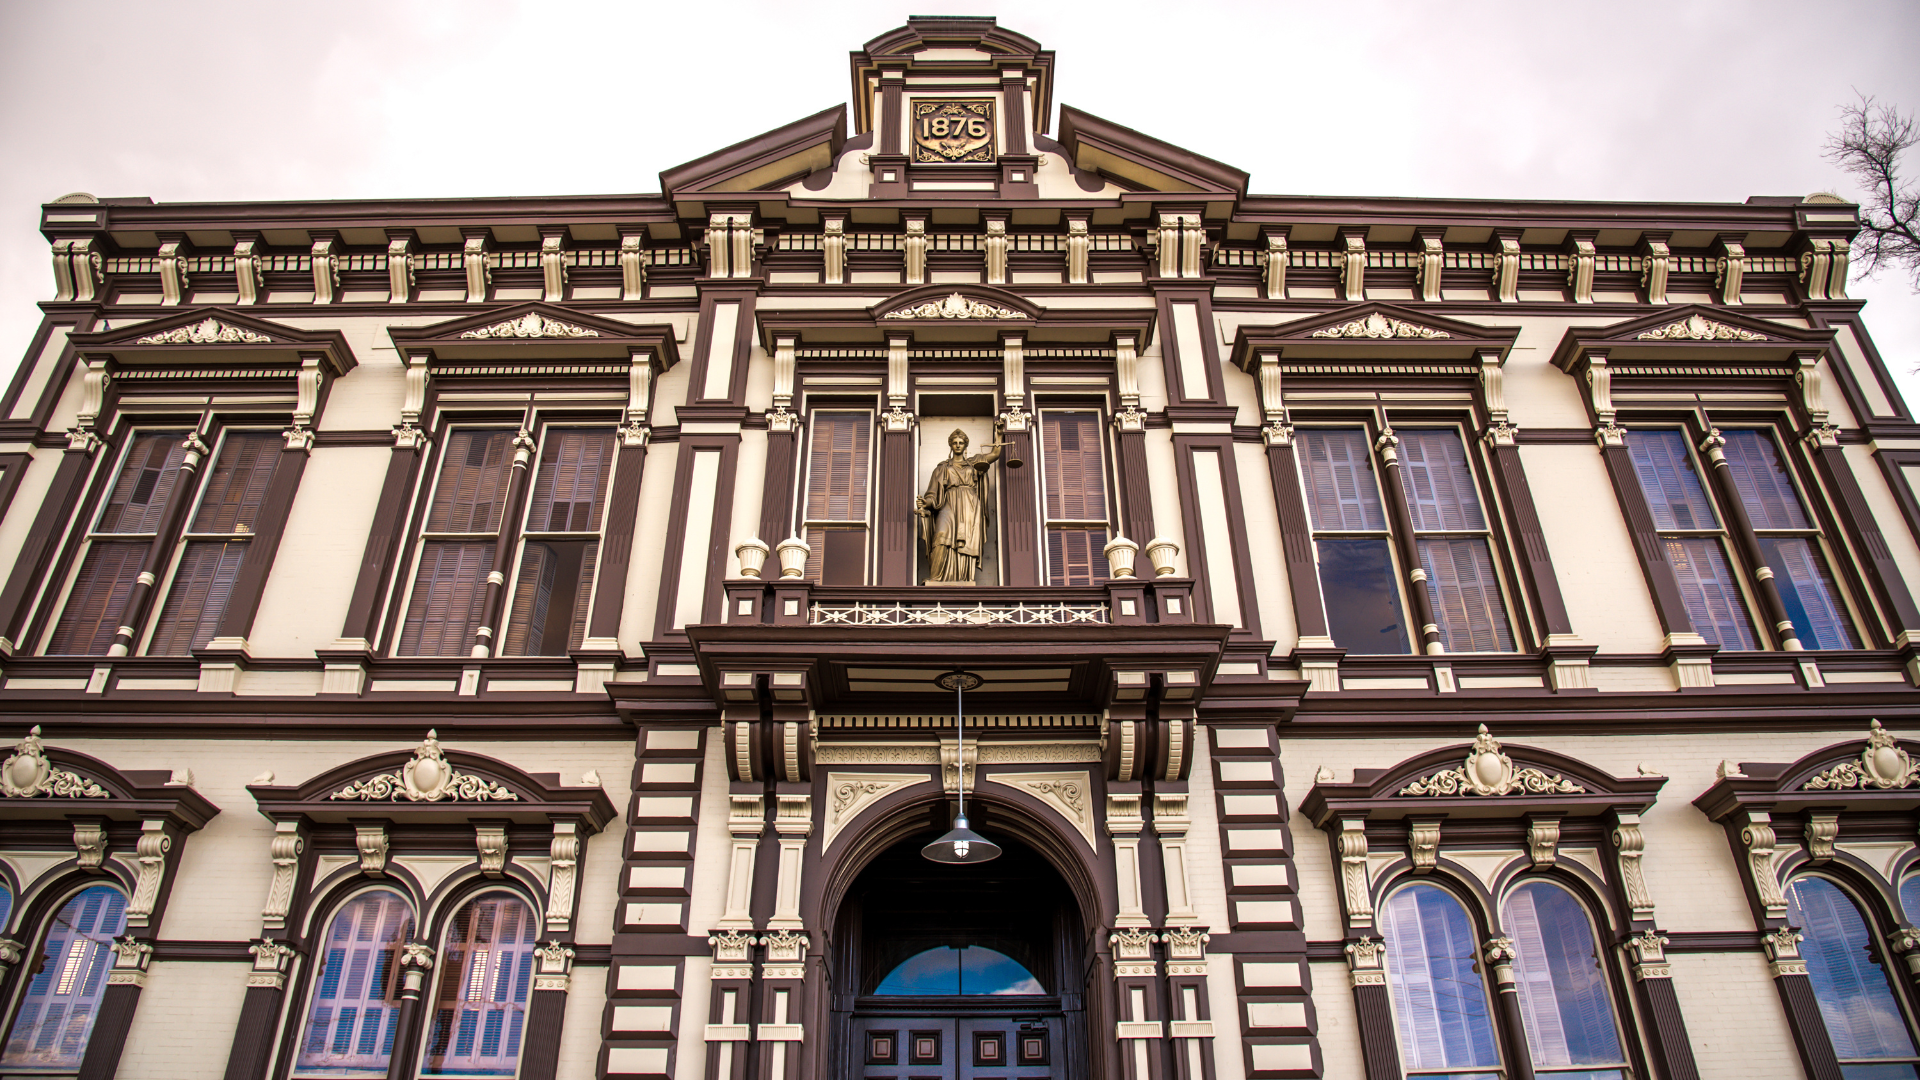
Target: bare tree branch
[[1868, 146]]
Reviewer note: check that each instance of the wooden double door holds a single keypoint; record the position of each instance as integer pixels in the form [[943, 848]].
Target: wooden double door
[[957, 1046]]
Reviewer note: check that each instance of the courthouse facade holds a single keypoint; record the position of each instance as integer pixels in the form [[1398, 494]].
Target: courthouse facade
[[1413, 637]]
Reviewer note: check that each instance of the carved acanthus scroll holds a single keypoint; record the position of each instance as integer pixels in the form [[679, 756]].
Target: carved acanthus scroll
[[429, 777], [1489, 771]]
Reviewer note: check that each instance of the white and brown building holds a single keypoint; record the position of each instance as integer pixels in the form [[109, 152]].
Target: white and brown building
[[497, 637]]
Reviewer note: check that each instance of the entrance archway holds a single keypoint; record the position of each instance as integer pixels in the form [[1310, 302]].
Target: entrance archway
[[959, 972]]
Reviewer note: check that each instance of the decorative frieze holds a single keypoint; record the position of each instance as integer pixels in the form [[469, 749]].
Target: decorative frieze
[[1489, 771], [208, 331], [955, 306], [1377, 325], [1882, 765], [532, 325], [428, 777], [1697, 327], [28, 774]]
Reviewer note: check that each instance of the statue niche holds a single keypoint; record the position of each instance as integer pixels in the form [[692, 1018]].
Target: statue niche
[[954, 513]]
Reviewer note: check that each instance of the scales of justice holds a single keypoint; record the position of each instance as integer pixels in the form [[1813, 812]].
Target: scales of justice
[[953, 512]]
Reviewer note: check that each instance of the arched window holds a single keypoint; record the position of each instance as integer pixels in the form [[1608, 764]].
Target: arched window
[[1910, 898], [1863, 1019], [949, 971], [1564, 1000], [57, 1013], [356, 989], [486, 969], [6, 906], [1440, 1007]]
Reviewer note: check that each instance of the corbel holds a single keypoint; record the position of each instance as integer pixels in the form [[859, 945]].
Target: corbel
[[249, 278], [915, 246], [1423, 844], [1493, 393], [271, 959], [555, 971], [1758, 840], [553, 263], [743, 238], [400, 271], [1783, 951], [93, 391], [1656, 261], [89, 269], [306, 404], [1730, 268], [718, 247], [996, 250], [1630, 845], [173, 269], [326, 268], [634, 426], [1821, 431], [1353, 262], [1278, 430], [150, 853], [1649, 951], [785, 373], [287, 845], [1274, 266], [491, 843], [633, 264], [1013, 382], [131, 957], [951, 766], [89, 844], [1166, 238], [371, 842], [473, 259], [1193, 243], [1506, 266], [746, 821], [1581, 257], [833, 250], [1126, 369], [1356, 886], [897, 418], [1606, 431], [63, 283], [1366, 962], [1543, 841], [1816, 263], [563, 865], [408, 435], [1430, 271], [1837, 279], [1079, 246], [1822, 831]]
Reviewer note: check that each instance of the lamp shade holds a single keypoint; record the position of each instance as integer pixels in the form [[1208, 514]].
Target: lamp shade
[[962, 845]]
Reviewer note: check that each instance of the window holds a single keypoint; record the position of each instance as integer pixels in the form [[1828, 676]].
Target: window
[[457, 549], [1691, 533], [356, 991], [1845, 963], [956, 971], [216, 542], [1440, 1006], [1910, 898], [1350, 540], [1789, 544], [117, 546], [836, 517], [1454, 543], [57, 1012], [486, 970], [1072, 447], [1564, 1001], [554, 588]]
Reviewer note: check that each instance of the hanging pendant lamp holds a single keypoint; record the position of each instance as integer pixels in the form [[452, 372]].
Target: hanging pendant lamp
[[961, 845]]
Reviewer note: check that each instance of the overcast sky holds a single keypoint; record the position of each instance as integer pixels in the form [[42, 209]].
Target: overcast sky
[[208, 100]]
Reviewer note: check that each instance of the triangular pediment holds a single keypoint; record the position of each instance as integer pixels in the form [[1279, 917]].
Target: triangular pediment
[[232, 335], [1694, 330], [948, 304], [1139, 161], [547, 330], [1371, 330], [763, 163]]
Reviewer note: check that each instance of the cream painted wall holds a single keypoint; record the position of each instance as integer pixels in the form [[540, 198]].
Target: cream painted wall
[[35, 477], [1539, 394], [1735, 1021], [643, 574], [1886, 511], [1259, 532], [713, 845], [586, 1009], [183, 1027], [34, 374], [306, 596], [370, 395], [1339, 1030], [1205, 875], [1593, 556], [67, 409], [1164, 478]]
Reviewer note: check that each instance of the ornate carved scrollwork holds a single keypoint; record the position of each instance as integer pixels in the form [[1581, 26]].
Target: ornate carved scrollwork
[[150, 852], [1882, 765], [1366, 961], [1489, 771], [1698, 328], [286, 849], [532, 325], [1355, 885], [1758, 838], [28, 773], [955, 306], [209, 331], [429, 777], [564, 853], [1630, 844], [1377, 325], [1423, 845]]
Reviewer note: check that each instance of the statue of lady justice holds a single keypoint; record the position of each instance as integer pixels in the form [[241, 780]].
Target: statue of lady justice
[[953, 513]]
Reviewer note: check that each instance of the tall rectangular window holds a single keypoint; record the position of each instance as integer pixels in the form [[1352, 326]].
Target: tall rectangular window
[[1074, 452], [1455, 545], [1690, 531], [835, 522], [1789, 542], [560, 545], [216, 542], [458, 544], [118, 544], [1351, 543]]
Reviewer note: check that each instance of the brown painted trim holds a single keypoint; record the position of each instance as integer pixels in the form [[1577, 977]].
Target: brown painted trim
[[1296, 541], [1809, 1027], [1021, 557], [540, 1046], [713, 294], [1379, 1047], [108, 1039], [1849, 503], [1525, 534], [719, 540], [1184, 447], [899, 526], [50, 527], [779, 489], [616, 546], [62, 373], [1661, 583], [1426, 632], [1692, 941], [1168, 292], [257, 1033], [326, 440], [243, 603], [1135, 485], [1666, 1030], [12, 468], [383, 543]]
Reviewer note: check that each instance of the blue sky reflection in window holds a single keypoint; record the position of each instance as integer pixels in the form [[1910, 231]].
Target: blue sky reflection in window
[[948, 971]]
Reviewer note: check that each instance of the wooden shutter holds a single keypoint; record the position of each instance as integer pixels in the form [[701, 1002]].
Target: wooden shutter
[[473, 481], [1708, 591], [238, 483], [486, 971], [1761, 478], [62, 1000], [1076, 556], [532, 594], [1438, 481], [198, 596], [99, 595], [837, 466], [1466, 595], [1341, 493], [1668, 479], [1808, 592], [139, 494], [1076, 482], [448, 593], [353, 1014], [569, 494]]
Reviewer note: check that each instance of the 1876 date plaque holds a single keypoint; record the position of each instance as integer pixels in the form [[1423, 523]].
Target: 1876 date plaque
[[953, 129]]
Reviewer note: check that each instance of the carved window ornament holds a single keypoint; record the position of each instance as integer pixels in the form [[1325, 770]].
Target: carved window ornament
[[1378, 325], [428, 777], [955, 306], [208, 331], [532, 325], [1697, 327], [1882, 765], [1489, 771], [28, 774]]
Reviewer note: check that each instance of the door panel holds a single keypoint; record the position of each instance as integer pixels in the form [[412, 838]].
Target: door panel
[[956, 1048]]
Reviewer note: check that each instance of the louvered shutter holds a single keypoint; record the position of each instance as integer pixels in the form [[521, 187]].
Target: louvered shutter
[[99, 595], [837, 466], [238, 483], [1672, 486], [1707, 589], [1466, 595], [1808, 592], [569, 495], [1341, 493], [448, 593], [1077, 556], [479, 1017], [1761, 478], [583, 594], [1439, 483], [198, 596], [146, 480], [352, 1016], [532, 595], [473, 481], [1076, 482]]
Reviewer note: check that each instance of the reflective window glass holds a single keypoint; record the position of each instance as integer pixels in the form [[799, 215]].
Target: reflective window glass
[[355, 1000], [1563, 987], [947, 971], [56, 1015], [485, 972], [1844, 962], [1440, 1008]]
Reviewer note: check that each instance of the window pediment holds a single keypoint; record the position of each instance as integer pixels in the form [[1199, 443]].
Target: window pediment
[[1880, 774], [504, 338], [1373, 335], [1688, 336], [940, 304], [49, 783], [217, 343]]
